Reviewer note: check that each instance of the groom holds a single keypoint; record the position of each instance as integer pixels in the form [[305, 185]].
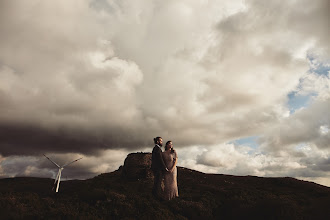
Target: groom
[[158, 167]]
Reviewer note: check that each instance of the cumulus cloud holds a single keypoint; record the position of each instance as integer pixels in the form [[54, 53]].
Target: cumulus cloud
[[96, 76], [304, 162], [305, 126]]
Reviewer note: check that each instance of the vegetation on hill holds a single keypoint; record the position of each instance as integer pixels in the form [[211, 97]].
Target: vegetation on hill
[[208, 196]]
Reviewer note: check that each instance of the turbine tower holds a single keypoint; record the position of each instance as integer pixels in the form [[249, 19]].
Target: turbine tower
[[60, 168]]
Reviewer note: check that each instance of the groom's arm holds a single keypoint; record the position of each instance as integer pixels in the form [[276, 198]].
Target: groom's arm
[[161, 159]]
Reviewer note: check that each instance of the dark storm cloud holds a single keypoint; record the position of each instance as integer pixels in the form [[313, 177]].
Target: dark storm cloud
[[32, 140], [69, 87]]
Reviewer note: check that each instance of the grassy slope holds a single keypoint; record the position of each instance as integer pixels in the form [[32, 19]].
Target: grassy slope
[[201, 195]]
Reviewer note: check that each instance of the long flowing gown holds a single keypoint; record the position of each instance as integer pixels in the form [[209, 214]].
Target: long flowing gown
[[170, 178]]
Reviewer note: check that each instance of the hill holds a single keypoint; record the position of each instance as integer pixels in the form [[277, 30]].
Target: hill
[[126, 194]]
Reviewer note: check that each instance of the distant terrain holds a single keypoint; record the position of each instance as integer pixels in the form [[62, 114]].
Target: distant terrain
[[126, 194]]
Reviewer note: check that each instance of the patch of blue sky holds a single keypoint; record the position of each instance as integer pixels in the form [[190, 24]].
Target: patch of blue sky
[[100, 5], [318, 67], [296, 101], [250, 141], [302, 147]]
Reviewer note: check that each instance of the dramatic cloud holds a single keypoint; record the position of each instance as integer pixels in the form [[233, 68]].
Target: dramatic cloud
[[87, 167], [102, 77]]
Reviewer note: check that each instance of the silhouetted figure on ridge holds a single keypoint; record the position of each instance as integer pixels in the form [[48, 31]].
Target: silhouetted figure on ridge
[[158, 167]]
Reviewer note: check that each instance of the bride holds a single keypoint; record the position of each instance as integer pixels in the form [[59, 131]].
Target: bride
[[170, 178]]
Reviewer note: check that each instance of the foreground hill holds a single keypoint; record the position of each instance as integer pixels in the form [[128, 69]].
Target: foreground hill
[[126, 194]]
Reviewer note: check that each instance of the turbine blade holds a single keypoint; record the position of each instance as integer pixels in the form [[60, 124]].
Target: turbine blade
[[57, 176], [71, 162], [58, 181], [52, 161]]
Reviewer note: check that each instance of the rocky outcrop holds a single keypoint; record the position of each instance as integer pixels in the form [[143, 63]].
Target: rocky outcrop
[[137, 166]]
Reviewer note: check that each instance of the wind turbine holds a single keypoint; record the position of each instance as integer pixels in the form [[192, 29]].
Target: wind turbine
[[60, 168]]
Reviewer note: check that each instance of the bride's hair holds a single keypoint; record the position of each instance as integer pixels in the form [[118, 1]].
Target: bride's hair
[[166, 146]]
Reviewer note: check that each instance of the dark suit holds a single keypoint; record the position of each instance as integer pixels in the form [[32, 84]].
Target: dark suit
[[158, 167]]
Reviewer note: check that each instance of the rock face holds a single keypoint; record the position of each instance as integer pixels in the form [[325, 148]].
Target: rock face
[[137, 166]]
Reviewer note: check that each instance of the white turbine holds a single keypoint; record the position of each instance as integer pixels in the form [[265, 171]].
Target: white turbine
[[60, 168]]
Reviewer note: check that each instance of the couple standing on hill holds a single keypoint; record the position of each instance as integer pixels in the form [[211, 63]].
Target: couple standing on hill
[[164, 168]]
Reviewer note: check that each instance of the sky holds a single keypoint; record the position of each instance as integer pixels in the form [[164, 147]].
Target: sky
[[240, 87]]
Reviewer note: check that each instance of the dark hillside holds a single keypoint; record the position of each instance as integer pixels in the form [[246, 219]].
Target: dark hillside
[[126, 194]]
